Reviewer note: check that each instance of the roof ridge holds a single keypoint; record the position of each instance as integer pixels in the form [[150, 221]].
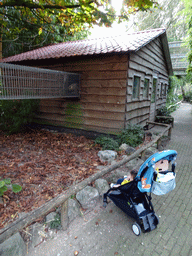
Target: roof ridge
[[106, 37], [130, 41]]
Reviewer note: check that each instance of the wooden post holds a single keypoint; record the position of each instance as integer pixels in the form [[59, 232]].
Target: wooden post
[[143, 155], [64, 215], [159, 144], [169, 133]]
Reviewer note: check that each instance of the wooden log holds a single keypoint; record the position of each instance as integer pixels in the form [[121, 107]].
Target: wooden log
[[29, 218], [165, 119], [174, 104], [160, 124]]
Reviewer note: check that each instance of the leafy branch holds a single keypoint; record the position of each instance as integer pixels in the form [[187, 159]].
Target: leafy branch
[[33, 5]]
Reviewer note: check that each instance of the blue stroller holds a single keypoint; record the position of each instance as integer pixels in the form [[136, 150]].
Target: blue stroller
[[156, 175]]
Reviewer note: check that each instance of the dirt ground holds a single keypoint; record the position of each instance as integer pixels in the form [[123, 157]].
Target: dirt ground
[[44, 164]]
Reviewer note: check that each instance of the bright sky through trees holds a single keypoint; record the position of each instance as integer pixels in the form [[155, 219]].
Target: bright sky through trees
[[117, 5], [116, 29]]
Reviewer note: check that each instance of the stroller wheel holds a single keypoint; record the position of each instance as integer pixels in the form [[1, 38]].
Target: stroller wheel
[[136, 229], [156, 220]]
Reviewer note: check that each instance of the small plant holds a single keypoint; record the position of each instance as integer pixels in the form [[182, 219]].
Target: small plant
[[72, 196], [6, 183], [188, 96], [163, 111], [107, 143], [132, 136], [56, 223]]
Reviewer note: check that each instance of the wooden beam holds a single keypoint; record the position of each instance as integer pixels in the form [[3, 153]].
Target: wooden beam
[[31, 217], [159, 124]]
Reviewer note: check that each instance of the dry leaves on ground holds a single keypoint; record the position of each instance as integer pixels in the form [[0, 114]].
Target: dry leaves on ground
[[44, 164]]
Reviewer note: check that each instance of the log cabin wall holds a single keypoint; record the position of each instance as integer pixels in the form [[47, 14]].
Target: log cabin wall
[[147, 63], [101, 106], [106, 102]]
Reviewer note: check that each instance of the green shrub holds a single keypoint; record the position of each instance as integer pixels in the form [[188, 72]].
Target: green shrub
[[180, 97], [188, 96], [163, 111], [132, 136], [6, 183], [16, 114], [107, 143]]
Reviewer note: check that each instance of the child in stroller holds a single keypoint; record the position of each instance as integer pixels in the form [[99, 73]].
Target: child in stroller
[[130, 177], [133, 197]]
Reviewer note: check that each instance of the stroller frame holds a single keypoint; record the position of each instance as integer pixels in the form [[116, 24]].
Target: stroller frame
[[137, 205], [135, 202]]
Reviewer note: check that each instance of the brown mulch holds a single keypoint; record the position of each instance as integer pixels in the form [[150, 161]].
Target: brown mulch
[[44, 164]]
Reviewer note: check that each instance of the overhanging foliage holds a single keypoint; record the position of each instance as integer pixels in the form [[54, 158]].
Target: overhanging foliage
[[68, 16]]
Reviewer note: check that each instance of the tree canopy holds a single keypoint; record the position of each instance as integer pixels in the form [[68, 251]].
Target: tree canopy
[[34, 23], [187, 13], [165, 15]]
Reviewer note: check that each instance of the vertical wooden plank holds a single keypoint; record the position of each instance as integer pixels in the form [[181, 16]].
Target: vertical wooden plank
[[64, 215]]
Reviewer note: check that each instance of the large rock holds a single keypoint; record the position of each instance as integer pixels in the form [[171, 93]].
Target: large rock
[[123, 146], [121, 172], [38, 234], [88, 197], [107, 156], [14, 246], [102, 186], [128, 149], [73, 209], [134, 163], [50, 217], [149, 152]]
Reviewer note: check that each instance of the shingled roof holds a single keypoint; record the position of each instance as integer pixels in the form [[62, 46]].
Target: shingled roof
[[116, 44]]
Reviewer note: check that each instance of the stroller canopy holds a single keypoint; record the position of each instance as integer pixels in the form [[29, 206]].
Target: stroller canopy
[[147, 169]]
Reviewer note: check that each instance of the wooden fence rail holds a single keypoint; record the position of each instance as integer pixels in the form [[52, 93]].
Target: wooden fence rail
[[61, 199], [175, 104]]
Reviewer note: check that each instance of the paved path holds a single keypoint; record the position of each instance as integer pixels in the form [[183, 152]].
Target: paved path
[[107, 232]]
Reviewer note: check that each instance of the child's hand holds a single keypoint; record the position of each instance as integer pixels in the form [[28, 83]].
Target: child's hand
[[116, 186], [128, 178]]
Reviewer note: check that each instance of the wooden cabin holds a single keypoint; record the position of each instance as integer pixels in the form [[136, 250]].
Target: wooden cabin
[[124, 79]]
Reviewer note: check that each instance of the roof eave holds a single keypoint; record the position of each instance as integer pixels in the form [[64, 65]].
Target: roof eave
[[165, 45]]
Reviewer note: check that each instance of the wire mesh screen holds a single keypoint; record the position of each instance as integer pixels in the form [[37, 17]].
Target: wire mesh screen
[[21, 82]]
